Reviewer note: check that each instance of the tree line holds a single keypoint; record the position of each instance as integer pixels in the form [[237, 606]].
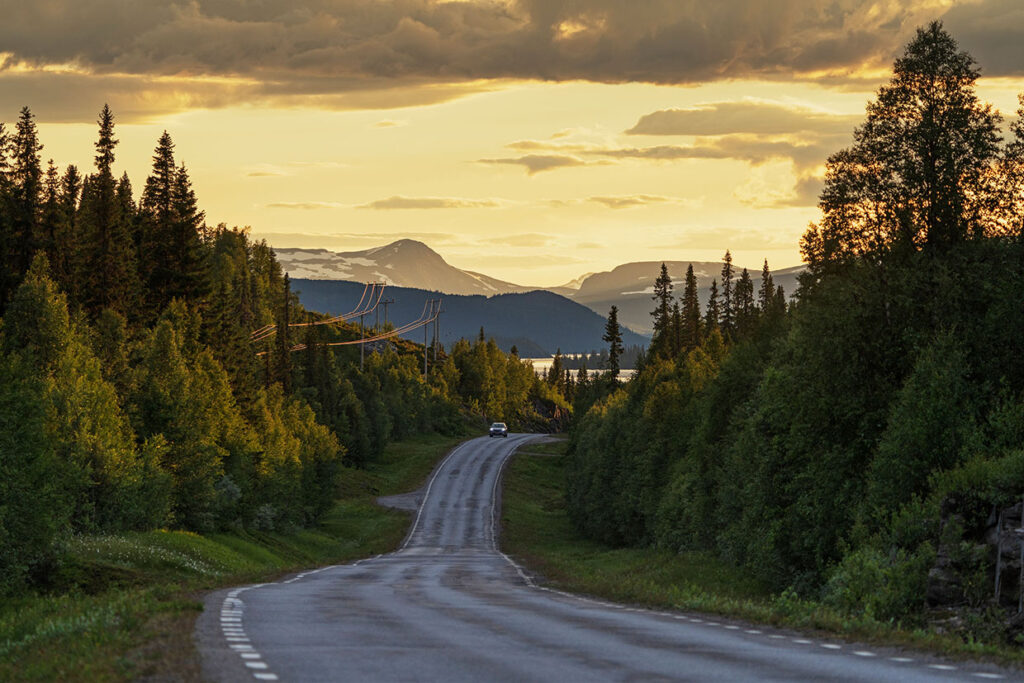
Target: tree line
[[856, 444], [131, 394]]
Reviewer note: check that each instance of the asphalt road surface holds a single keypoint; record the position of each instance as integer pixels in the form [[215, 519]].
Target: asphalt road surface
[[449, 606]]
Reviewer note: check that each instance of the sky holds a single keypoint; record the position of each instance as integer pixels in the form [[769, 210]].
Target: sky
[[532, 140]]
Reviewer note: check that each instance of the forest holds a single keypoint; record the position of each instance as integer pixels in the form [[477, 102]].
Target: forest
[[862, 442], [132, 394]]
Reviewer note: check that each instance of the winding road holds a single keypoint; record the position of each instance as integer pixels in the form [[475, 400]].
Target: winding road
[[450, 606]]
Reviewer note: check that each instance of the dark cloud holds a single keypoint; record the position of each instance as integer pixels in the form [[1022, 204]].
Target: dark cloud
[[535, 163], [397, 202], [744, 116], [992, 31], [351, 53]]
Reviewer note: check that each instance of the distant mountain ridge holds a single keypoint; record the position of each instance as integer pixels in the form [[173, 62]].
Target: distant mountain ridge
[[537, 322], [412, 264], [406, 263]]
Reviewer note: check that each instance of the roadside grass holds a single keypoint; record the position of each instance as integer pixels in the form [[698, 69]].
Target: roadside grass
[[537, 532], [122, 606]]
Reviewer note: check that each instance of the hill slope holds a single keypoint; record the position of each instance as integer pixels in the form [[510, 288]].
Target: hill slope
[[537, 322], [405, 263]]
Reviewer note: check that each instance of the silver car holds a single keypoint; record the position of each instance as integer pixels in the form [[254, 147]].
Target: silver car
[[499, 429]]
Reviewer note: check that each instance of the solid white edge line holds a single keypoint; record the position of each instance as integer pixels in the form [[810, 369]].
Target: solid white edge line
[[426, 494]]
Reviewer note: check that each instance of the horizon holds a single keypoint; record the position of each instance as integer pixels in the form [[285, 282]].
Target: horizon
[[567, 140]]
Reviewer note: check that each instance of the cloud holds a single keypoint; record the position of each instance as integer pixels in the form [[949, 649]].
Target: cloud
[[991, 31], [388, 123], [306, 206], [744, 116], [630, 201], [352, 241], [398, 202], [522, 240], [535, 163], [387, 53], [753, 150]]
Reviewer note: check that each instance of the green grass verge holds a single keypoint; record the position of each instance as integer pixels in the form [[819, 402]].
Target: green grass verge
[[537, 532], [125, 604]]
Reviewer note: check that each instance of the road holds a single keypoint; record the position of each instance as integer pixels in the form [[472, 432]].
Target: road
[[449, 606]]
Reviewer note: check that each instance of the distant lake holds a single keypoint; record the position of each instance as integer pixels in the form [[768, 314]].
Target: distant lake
[[542, 365]]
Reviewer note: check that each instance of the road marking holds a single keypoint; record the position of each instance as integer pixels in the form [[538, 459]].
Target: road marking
[[733, 628], [250, 655], [831, 646], [256, 665], [984, 674], [240, 647], [753, 631], [776, 637], [864, 653], [901, 660], [802, 641], [426, 494], [942, 667], [265, 677]]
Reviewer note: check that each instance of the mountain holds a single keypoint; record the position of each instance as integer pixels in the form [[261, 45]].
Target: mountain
[[631, 287], [405, 263], [537, 322], [412, 264]]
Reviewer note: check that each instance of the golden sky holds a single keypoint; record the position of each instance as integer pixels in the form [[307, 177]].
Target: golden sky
[[533, 140]]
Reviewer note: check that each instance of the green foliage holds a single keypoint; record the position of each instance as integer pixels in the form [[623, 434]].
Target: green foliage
[[844, 444]]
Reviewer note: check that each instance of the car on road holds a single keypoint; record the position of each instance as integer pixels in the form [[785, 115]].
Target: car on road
[[499, 429]]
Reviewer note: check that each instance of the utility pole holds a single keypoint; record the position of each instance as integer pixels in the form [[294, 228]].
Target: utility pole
[[431, 304], [437, 329], [385, 303], [362, 345]]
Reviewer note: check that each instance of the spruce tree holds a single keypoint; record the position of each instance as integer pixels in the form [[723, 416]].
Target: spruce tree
[[745, 308], [728, 315], [661, 344], [613, 336], [766, 294], [677, 343], [712, 314], [106, 270], [171, 228], [26, 177], [282, 365], [690, 318]]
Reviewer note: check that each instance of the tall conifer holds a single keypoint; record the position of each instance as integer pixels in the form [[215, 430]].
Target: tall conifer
[[106, 264], [613, 336], [690, 318], [661, 343], [728, 316]]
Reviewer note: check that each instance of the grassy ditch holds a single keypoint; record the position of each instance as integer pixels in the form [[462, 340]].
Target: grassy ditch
[[123, 606], [537, 532]]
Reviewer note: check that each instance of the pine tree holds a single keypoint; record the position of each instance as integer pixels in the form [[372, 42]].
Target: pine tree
[[728, 314], [613, 336], [661, 343], [712, 314], [690, 319]]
